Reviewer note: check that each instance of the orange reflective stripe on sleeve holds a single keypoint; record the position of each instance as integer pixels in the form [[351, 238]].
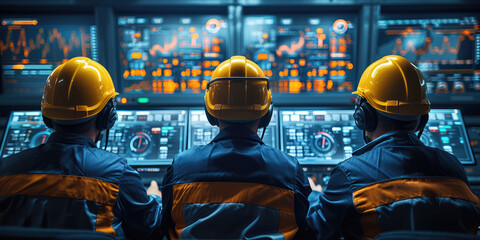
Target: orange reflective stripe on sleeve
[[66, 186], [235, 192], [368, 198]]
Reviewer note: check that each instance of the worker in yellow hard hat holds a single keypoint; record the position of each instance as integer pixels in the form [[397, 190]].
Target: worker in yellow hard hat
[[236, 187], [394, 182], [68, 182]]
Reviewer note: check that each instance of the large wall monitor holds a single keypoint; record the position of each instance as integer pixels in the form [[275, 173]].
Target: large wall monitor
[[170, 54], [148, 137], [32, 46], [446, 49], [200, 132], [304, 54]]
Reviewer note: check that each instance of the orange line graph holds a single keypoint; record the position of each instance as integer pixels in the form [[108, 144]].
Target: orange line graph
[[44, 44], [428, 47], [293, 46], [143, 85], [165, 48]]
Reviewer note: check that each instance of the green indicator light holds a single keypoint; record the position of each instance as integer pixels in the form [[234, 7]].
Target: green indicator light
[[167, 128], [143, 100]]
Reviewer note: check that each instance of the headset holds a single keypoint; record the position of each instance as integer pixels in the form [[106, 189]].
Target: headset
[[365, 116], [366, 119], [105, 119]]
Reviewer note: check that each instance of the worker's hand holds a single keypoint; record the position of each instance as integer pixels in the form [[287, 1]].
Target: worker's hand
[[314, 186], [153, 189]]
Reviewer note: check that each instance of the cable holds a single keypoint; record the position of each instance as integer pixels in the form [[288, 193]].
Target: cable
[[106, 139], [263, 133]]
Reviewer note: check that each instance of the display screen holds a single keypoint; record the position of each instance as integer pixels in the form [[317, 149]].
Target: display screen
[[24, 130], [201, 132], [319, 136], [148, 137], [170, 54], [31, 47], [446, 130], [304, 54], [330, 136], [445, 49]]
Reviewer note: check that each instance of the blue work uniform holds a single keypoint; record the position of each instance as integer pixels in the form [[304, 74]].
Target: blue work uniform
[[395, 183], [235, 187], [69, 183]]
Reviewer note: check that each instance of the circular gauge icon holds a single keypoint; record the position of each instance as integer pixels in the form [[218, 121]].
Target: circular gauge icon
[[213, 25], [324, 143], [340, 26], [39, 138], [140, 143], [427, 139]]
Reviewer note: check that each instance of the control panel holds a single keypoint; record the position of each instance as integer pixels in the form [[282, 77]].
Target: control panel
[[318, 138], [446, 130], [148, 137], [24, 130], [323, 137]]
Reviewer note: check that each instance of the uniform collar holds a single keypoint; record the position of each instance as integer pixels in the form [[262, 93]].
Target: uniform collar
[[389, 139], [70, 138], [237, 132]]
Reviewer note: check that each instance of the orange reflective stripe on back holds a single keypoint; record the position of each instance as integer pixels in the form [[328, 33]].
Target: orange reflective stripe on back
[[235, 192], [399, 189], [368, 198], [66, 186]]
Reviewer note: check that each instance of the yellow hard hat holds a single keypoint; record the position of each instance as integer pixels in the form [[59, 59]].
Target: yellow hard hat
[[238, 91], [77, 89], [393, 85]]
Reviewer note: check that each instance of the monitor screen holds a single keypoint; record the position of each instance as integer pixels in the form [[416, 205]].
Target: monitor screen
[[24, 130], [31, 47], [319, 136], [304, 54], [148, 137], [446, 130], [170, 54], [446, 49], [201, 132], [330, 136]]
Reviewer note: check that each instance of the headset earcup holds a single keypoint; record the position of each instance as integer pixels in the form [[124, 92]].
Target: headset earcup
[[371, 119], [107, 117], [359, 117], [265, 120], [112, 116], [211, 119], [47, 121], [365, 116]]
